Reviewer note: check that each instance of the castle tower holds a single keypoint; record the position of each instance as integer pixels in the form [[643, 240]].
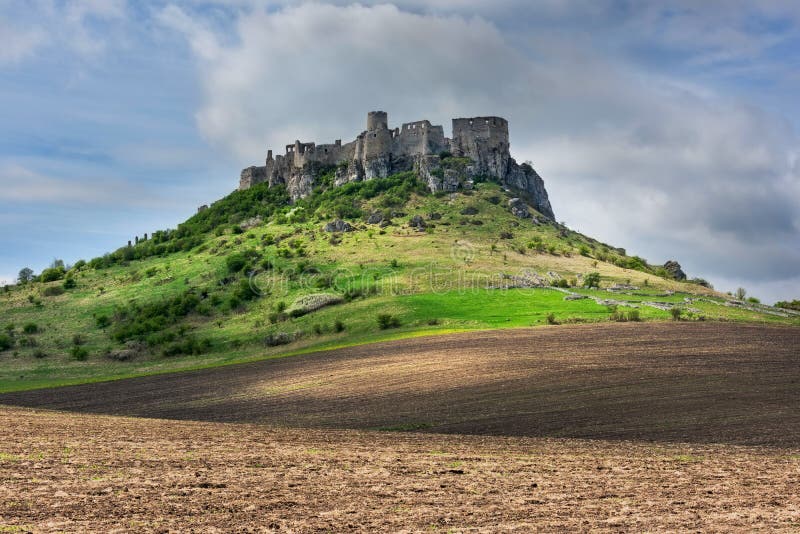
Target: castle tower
[[485, 140], [377, 120]]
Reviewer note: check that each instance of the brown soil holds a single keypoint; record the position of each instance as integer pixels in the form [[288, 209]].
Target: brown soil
[[88, 473], [686, 382]]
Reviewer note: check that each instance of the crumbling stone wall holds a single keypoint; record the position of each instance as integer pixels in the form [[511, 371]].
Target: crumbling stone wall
[[380, 151]]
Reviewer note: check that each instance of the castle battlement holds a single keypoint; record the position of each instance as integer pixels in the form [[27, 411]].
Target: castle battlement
[[380, 151]]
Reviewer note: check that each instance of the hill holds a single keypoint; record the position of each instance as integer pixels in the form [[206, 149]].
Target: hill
[[255, 276]]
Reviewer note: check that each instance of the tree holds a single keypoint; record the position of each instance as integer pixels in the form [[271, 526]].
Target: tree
[[25, 275], [592, 280], [741, 293]]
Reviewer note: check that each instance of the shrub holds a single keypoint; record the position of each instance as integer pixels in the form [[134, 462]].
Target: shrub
[[584, 250], [30, 328], [561, 282], [274, 340], [592, 280], [52, 274], [633, 316], [80, 264], [676, 313], [70, 283], [793, 305], [235, 262], [53, 291], [617, 315], [78, 339], [551, 318], [280, 306], [190, 345], [103, 321], [753, 300], [338, 326], [317, 329], [387, 320], [79, 353], [309, 303], [39, 354], [244, 291], [6, 342]]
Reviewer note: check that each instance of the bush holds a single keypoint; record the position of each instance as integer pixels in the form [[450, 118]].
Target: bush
[[236, 262], [338, 326], [592, 280], [785, 304], [78, 339], [30, 328], [79, 353], [386, 321], [274, 340], [551, 318], [6, 342], [52, 274], [190, 345], [39, 354], [634, 316], [103, 321], [70, 283], [584, 250], [676, 313], [244, 291], [53, 291]]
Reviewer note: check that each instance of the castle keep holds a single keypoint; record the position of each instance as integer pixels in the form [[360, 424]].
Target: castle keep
[[380, 151]]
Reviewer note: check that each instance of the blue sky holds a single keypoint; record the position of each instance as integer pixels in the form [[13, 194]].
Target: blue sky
[[667, 128]]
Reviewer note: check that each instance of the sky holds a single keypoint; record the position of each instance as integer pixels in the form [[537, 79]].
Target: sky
[[666, 128]]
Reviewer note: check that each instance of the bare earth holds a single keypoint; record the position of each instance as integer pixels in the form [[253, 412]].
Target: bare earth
[[80, 473], [668, 408]]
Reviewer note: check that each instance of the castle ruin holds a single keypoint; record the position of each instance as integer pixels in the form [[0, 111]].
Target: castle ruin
[[380, 151]]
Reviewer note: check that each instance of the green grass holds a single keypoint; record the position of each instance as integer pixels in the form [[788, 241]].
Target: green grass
[[432, 283]]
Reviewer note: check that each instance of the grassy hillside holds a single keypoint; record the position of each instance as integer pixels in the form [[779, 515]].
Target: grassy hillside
[[245, 279]]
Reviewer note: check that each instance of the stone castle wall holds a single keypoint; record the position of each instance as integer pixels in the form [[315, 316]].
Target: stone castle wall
[[380, 151]]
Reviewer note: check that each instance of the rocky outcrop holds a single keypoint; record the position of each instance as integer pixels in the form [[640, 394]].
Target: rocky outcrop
[[528, 184], [417, 222], [338, 225], [478, 150], [376, 217], [674, 269], [518, 208]]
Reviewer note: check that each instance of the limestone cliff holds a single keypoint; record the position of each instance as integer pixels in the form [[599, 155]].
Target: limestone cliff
[[479, 149]]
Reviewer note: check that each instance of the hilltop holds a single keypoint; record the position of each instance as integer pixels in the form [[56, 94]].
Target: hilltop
[[479, 150], [261, 274]]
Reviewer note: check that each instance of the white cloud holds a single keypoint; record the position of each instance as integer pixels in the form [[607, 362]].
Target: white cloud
[[665, 166], [76, 25], [20, 184], [19, 43]]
